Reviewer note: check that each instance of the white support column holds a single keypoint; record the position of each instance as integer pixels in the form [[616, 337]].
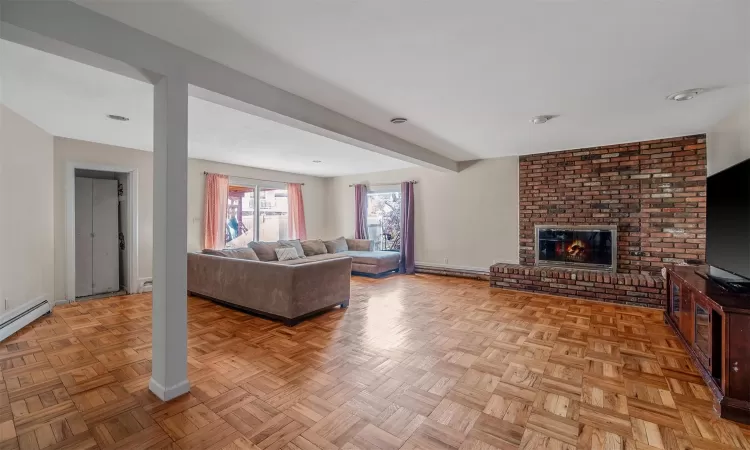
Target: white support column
[[169, 356]]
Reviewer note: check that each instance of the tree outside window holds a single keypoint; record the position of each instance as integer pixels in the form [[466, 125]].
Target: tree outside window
[[384, 220]]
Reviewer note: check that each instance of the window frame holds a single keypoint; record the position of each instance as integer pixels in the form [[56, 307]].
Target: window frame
[[257, 186]]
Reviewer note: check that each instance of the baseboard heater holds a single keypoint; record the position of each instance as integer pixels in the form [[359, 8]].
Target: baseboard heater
[[453, 271], [19, 317]]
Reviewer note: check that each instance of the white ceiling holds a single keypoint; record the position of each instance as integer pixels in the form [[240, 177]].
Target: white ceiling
[[70, 99], [469, 74]]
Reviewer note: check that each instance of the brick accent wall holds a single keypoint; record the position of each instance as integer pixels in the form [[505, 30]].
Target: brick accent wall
[[654, 191]]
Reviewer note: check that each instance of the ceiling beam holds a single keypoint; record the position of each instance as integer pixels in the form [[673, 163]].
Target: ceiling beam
[[80, 27]]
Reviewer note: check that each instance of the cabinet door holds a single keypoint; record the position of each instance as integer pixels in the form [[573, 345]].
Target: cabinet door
[[686, 315], [84, 241], [702, 333], [738, 357], [674, 306], [106, 251]]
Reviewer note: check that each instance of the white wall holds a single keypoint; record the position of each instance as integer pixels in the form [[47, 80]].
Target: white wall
[[470, 217], [728, 142], [26, 219], [313, 194], [74, 151], [71, 151]]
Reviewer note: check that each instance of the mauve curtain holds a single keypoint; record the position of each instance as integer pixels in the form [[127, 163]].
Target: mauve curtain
[[297, 228], [407, 228], [215, 211], [360, 208]]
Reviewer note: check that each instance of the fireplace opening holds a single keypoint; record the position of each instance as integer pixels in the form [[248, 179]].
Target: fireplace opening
[[584, 247]]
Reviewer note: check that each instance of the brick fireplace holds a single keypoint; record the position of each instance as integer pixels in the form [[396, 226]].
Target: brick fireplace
[[652, 192]]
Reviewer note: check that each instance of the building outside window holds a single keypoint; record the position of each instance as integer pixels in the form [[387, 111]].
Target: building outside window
[[244, 225]]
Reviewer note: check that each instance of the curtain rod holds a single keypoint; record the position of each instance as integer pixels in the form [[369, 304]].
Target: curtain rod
[[255, 179], [387, 184]]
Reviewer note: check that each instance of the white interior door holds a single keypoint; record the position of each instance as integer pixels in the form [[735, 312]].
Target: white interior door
[[84, 239], [106, 252]]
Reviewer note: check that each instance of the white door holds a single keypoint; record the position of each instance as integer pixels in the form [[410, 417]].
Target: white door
[[106, 249], [84, 236]]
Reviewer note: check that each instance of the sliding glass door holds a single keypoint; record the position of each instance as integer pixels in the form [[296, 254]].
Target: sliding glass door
[[256, 212], [240, 227], [274, 214]]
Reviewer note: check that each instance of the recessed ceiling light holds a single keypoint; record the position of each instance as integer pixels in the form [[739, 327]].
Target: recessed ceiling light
[[317, 161], [686, 94], [538, 120], [116, 117], [398, 120]]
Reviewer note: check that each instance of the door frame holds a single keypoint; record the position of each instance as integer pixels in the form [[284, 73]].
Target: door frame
[[70, 222]]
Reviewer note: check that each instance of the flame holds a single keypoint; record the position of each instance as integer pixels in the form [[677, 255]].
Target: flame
[[576, 248]]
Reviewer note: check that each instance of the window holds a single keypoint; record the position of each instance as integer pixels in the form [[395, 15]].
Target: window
[[384, 219], [274, 214], [244, 225]]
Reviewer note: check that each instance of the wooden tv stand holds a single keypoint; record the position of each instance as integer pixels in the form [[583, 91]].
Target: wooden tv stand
[[714, 326]]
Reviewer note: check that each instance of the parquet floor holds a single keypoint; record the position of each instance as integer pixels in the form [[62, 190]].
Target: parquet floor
[[420, 362]]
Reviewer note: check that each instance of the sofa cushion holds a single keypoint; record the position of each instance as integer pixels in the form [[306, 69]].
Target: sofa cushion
[[295, 243], [266, 251], [360, 244], [337, 245], [238, 253], [312, 259], [373, 257], [374, 262], [286, 253], [313, 247]]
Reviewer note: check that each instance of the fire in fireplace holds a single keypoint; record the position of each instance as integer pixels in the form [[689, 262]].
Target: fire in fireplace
[[577, 250], [585, 247]]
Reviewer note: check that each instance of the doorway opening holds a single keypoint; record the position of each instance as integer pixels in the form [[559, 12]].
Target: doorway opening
[[101, 250]]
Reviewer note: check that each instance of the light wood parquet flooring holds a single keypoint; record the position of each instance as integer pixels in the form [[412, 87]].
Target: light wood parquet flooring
[[416, 362]]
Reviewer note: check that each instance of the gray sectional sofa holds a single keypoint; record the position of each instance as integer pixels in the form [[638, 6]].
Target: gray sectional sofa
[[365, 261], [285, 290], [316, 278]]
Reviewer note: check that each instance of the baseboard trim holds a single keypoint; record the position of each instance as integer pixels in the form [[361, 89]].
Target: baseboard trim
[[20, 316], [145, 285], [166, 394], [473, 273]]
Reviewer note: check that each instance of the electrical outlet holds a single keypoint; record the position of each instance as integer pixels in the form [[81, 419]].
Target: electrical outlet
[[445, 260]]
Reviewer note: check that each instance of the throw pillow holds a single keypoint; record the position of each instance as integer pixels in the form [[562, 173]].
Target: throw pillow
[[313, 247], [286, 253], [265, 250], [337, 245], [362, 245], [237, 253], [295, 244]]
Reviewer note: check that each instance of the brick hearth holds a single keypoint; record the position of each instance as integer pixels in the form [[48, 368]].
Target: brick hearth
[[627, 288], [653, 191]]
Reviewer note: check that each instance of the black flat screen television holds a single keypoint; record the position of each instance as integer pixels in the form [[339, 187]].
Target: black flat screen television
[[728, 224]]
